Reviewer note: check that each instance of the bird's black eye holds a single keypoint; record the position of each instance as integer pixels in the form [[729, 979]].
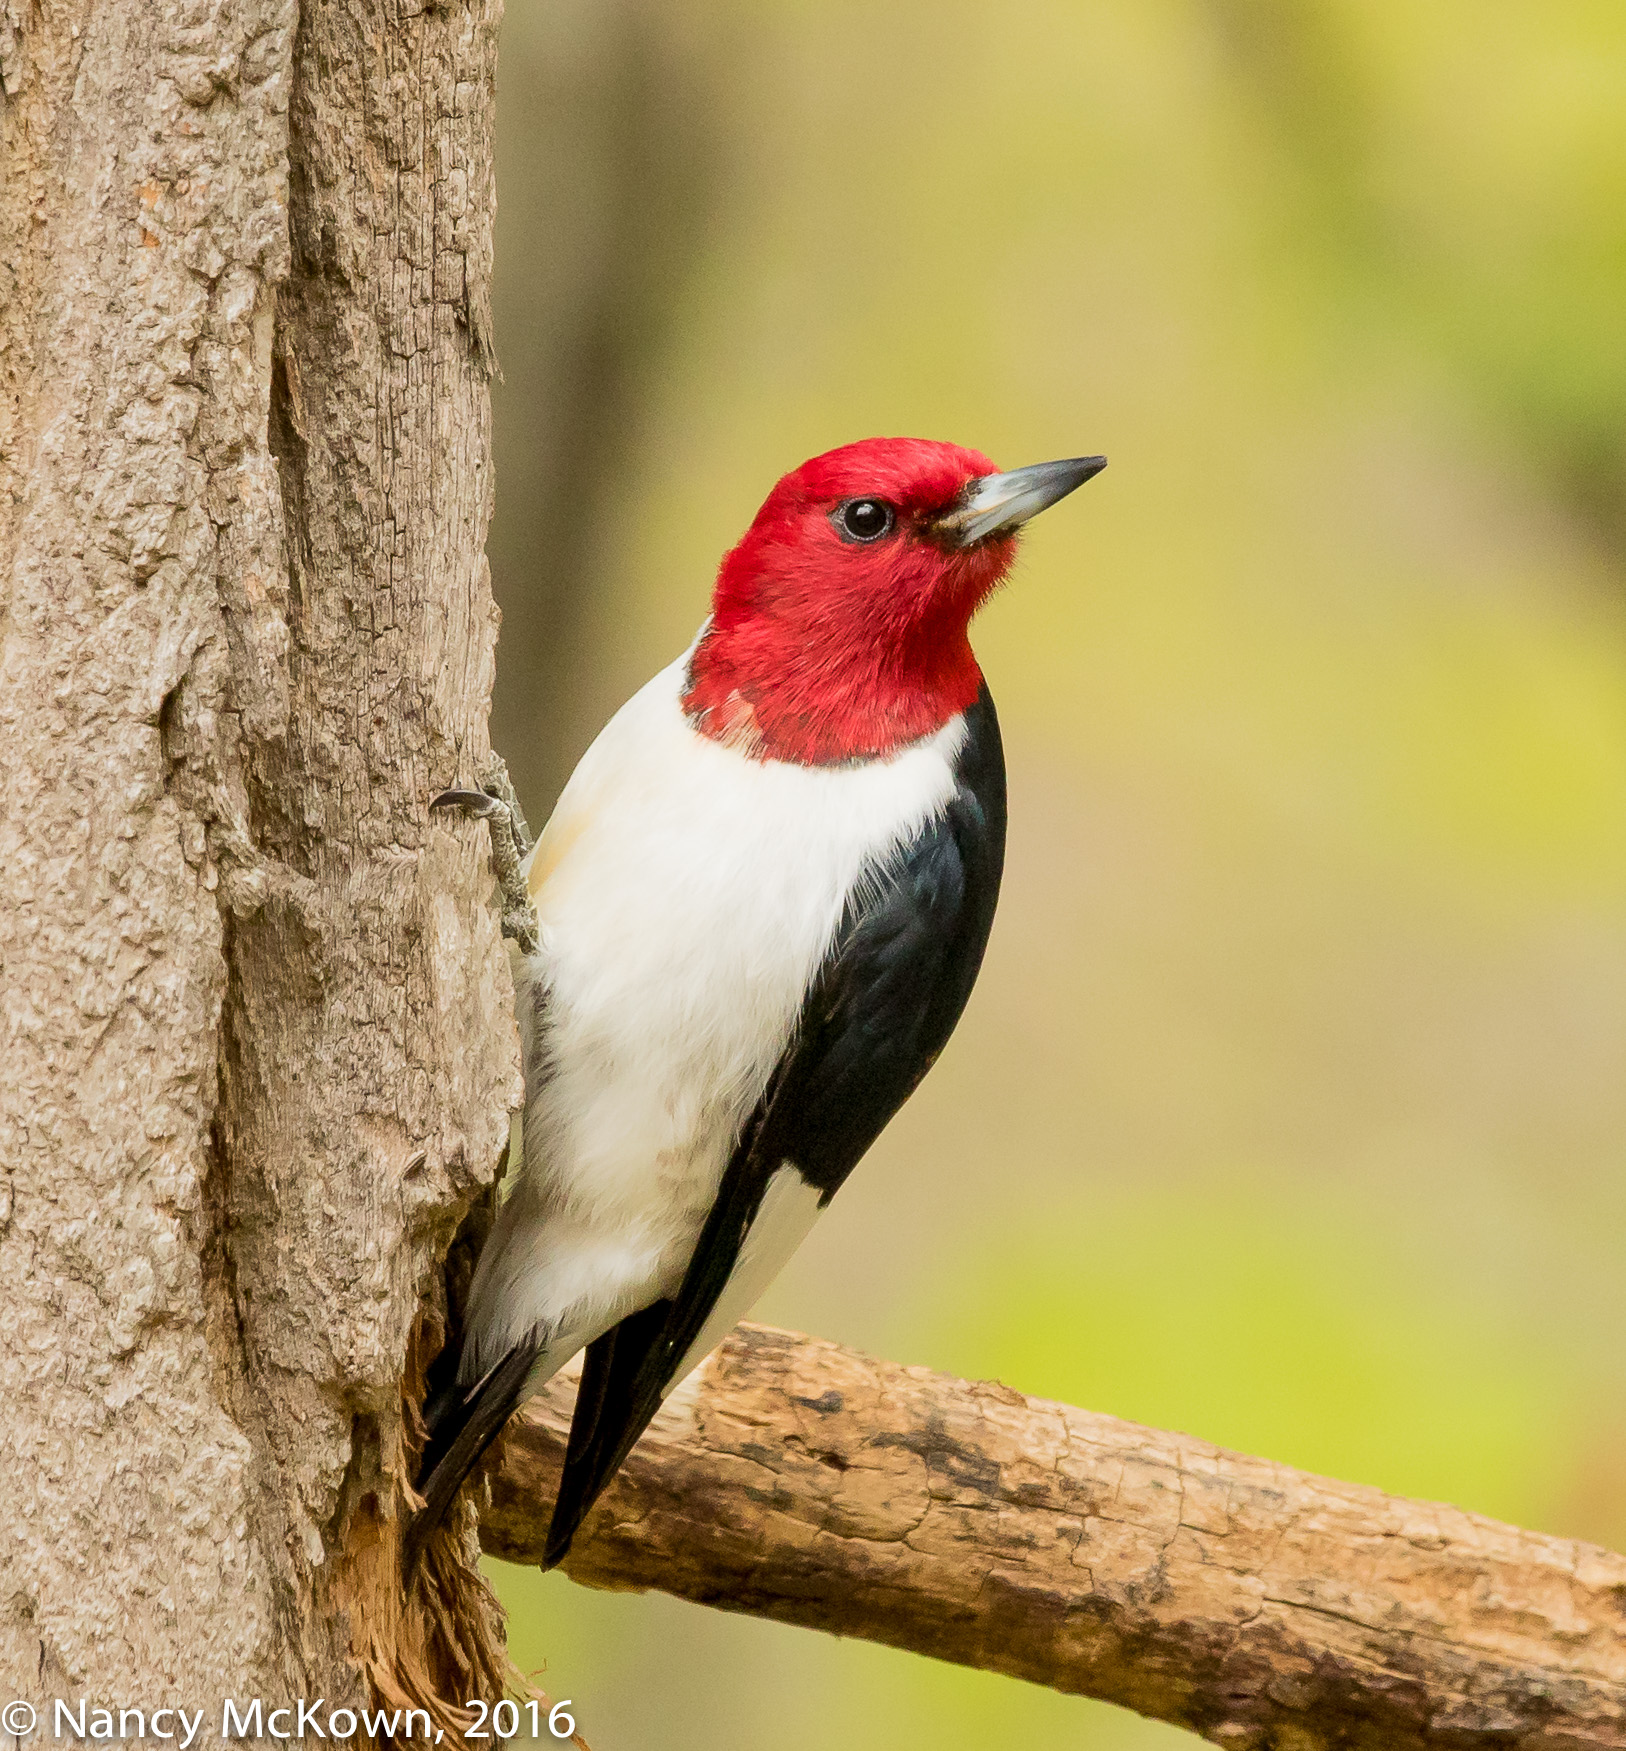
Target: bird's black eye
[[863, 519]]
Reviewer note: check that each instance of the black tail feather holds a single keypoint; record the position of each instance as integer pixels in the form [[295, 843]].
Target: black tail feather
[[462, 1425], [620, 1391]]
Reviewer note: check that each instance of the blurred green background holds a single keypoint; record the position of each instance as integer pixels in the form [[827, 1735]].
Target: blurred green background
[[1291, 1108]]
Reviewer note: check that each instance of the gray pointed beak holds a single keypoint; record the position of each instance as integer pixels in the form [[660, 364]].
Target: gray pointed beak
[[997, 504]]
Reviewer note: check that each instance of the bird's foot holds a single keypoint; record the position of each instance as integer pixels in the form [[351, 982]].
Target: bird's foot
[[496, 804], [498, 784]]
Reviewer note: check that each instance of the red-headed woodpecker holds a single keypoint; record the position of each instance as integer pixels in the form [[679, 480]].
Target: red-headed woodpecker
[[760, 906]]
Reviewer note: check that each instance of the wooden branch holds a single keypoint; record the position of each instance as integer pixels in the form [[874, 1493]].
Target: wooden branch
[[1256, 1605]]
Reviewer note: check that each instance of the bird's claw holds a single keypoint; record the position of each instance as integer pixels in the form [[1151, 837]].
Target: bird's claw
[[497, 805], [498, 784]]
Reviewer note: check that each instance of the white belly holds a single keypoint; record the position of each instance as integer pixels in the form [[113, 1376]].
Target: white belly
[[687, 895]]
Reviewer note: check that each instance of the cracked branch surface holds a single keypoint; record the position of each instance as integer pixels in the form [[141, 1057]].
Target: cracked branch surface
[[1254, 1604]]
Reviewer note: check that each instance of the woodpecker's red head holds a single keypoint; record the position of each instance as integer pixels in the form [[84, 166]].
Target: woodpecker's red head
[[838, 624]]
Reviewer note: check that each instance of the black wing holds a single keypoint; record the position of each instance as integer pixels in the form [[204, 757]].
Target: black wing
[[462, 1425], [882, 1008]]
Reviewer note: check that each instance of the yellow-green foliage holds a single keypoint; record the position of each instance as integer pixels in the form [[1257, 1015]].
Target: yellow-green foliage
[[1292, 1108]]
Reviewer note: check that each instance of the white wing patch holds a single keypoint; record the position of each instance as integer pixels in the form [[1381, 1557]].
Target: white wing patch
[[788, 1210]]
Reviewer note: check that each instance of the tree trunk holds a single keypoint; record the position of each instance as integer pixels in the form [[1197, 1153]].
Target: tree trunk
[[610, 120], [257, 1033]]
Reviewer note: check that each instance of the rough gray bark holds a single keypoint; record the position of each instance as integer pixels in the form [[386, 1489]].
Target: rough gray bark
[[1263, 1608], [256, 1031]]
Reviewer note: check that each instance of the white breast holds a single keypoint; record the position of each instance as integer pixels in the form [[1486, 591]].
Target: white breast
[[687, 894]]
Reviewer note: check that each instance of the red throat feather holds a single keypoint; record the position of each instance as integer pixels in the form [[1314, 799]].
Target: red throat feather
[[822, 648]]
